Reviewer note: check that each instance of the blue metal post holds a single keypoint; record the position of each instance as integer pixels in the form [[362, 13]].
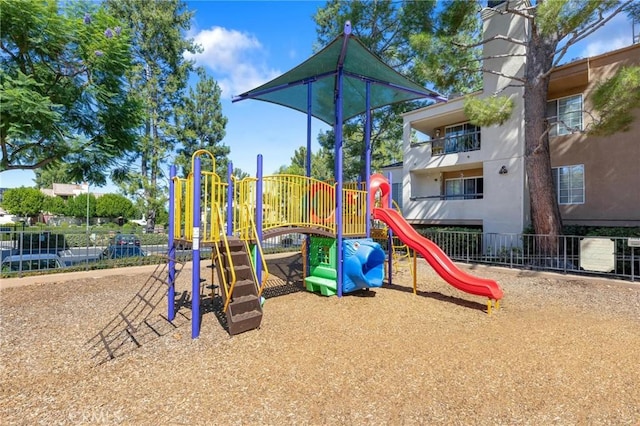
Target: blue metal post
[[259, 218], [390, 241], [307, 241], [338, 157], [309, 106], [338, 187], [367, 161], [171, 249], [195, 272], [229, 199]]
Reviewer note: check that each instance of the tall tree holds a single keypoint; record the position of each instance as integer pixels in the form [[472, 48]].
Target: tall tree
[[200, 124], [63, 93], [553, 27], [321, 165], [46, 177], [160, 76], [383, 26], [23, 201], [114, 205]]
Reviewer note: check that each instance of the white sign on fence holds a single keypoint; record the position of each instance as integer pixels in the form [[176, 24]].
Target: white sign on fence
[[633, 242], [597, 254]]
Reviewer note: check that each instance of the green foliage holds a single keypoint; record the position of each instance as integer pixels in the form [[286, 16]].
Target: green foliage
[[384, 27], [488, 111], [562, 17], [319, 164], [50, 174], [77, 206], [615, 100], [54, 205], [23, 201], [201, 125], [114, 205], [439, 55], [159, 77], [63, 94]]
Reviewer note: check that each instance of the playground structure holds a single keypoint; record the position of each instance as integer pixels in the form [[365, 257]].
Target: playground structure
[[234, 217]]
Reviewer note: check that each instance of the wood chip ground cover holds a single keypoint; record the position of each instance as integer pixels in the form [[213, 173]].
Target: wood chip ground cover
[[561, 350]]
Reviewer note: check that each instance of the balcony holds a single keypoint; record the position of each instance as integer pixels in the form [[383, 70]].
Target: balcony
[[449, 197], [456, 143]]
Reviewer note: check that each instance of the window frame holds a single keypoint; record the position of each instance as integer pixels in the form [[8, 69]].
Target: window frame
[[465, 196], [571, 179], [556, 127]]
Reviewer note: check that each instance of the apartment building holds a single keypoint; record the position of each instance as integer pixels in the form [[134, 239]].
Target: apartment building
[[458, 174]]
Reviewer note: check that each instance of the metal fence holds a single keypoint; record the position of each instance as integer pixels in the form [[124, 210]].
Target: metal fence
[[30, 251], [613, 257]]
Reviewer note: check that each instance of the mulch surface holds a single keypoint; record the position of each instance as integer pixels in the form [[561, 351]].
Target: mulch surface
[[560, 350]]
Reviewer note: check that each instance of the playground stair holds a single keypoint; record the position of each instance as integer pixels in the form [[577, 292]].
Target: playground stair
[[245, 310]]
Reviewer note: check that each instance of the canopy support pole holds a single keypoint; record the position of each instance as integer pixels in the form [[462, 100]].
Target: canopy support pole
[[338, 156], [367, 161]]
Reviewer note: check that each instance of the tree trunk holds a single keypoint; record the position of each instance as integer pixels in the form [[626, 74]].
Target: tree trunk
[[545, 214]]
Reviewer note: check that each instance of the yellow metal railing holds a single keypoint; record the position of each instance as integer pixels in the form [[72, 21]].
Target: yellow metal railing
[[227, 287], [181, 195], [213, 193], [265, 268], [354, 212], [288, 200], [298, 201], [244, 206]]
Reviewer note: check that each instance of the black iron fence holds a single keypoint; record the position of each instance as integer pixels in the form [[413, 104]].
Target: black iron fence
[[27, 251], [614, 257], [31, 250]]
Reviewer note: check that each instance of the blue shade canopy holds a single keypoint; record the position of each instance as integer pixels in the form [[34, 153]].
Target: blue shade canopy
[[359, 66]]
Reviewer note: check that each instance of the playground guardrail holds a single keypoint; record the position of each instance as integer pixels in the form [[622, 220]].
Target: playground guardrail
[[228, 288], [263, 260]]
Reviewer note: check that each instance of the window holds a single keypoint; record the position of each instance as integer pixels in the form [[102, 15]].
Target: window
[[565, 115], [461, 138], [464, 188], [569, 183], [396, 193]]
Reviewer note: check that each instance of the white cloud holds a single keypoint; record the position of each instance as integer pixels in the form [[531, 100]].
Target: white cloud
[[614, 35], [601, 46], [237, 59]]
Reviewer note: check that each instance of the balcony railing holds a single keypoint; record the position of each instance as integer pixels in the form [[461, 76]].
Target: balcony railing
[[456, 143], [448, 197]]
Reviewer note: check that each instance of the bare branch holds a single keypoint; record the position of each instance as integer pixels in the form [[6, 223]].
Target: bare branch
[[40, 164], [587, 31], [499, 74], [506, 55], [496, 37], [520, 12], [497, 92]]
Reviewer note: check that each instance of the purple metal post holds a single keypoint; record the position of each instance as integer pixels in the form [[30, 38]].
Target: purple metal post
[[195, 272], [338, 156], [390, 241], [171, 249], [229, 199], [309, 106], [259, 218], [367, 161], [307, 241]]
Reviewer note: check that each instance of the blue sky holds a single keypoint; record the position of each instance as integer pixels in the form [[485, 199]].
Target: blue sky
[[247, 43]]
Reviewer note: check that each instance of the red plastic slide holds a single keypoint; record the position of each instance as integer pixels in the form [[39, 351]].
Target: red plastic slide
[[433, 254]]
